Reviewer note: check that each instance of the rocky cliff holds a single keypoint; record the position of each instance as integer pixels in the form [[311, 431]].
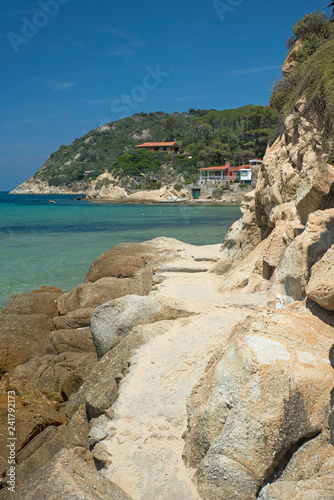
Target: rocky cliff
[[37, 186], [259, 420], [288, 217]]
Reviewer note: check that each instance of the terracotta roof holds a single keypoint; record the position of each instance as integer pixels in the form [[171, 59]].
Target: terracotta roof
[[147, 144], [214, 168], [226, 167]]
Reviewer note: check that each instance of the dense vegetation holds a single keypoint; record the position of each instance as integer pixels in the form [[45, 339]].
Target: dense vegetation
[[211, 136], [313, 77]]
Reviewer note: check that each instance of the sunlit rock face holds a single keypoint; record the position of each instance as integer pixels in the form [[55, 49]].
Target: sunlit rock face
[[262, 398]]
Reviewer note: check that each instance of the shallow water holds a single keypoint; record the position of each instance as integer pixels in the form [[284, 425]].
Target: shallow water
[[54, 244]]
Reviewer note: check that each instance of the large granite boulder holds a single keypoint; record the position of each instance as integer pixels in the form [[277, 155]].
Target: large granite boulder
[[308, 476], [30, 420], [320, 288], [79, 318], [107, 375], [112, 321], [22, 337], [121, 261], [65, 437], [91, 295], [126, 259], [48, 351], [305, 251], [258, 400], [79, 340], [67, 476], [36, 302], [25, 325], [46, 380]]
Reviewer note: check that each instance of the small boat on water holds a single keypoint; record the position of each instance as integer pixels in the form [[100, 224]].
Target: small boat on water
[[52, 201]]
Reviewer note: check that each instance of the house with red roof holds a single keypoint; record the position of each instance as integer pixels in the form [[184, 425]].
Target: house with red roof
[[165, 147], [226, 173]]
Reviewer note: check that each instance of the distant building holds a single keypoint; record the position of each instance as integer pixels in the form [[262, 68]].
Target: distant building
[[226, 173], [167, 147], [186, 154]]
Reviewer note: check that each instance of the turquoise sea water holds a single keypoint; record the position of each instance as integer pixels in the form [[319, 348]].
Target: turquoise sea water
[[54, 244]]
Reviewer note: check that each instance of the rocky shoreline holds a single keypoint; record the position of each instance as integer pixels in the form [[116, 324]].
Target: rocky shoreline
[[177, 371], [164, 195], [119, 373]]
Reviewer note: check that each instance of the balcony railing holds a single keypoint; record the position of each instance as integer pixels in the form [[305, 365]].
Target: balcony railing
[[215, 179]]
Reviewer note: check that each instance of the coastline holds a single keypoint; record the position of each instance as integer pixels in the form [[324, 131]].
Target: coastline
[[177, 202], [139, 201]]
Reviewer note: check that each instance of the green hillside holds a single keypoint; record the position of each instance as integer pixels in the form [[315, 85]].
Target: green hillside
[[212, 137], [313, 77]]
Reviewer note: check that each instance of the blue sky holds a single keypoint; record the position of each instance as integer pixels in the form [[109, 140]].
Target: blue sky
[[69, 66]]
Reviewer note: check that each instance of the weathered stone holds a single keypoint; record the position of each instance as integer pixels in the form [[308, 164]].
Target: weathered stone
[[79, 340], [72, 384], [48, 289], [112, 321], [23, 336], [80, 425], [90, 295], [45, 390], [331, 426], [291, 60], [105, 375], [134, 256], [29, 421], [106, 289], [79, 318], [51, 378], [60, 323], [240, 240], [36, 443], [306, 249], [66, 437], [294, 183], [68, 302], [320, 288], [67, 476], [315, 186], [268, 391], [32, 303], [101, 454], [122, 261], [308, 476], [34, 368], [95, 435]]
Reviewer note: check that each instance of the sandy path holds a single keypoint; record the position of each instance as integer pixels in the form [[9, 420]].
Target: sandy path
[[150, 414]]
